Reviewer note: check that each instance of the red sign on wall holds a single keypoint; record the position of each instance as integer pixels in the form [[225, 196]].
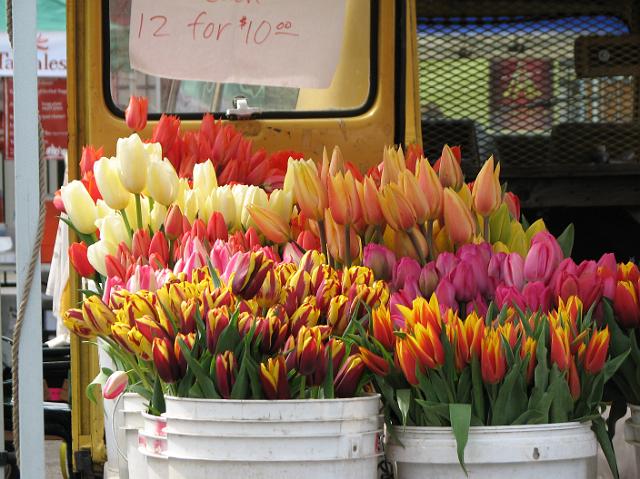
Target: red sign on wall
[[52, 105]]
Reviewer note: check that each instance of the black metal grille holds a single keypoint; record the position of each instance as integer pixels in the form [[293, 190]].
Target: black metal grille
[[509, 86]]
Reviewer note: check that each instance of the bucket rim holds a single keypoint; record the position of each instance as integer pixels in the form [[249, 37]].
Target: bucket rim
[[560, 426], [274, 436], [368, 397], [273, 421]]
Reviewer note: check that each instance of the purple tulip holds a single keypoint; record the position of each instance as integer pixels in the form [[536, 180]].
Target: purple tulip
[[510, 296], [464, 282], [513, 271]]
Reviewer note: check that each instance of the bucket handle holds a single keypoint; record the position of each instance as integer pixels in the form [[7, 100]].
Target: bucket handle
[[113, 428]]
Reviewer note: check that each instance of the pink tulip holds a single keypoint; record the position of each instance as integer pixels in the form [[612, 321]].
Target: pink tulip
[[537, 296], [143, 278], [464, 282], [445, 263], [115, 385], [494, 270], [510, 296], [513, 271], [590, 288], [446, 294], [112, 285], [607, 271], [428, 281], [543, 258], [405, 274], [381, 260], [478, 257], [220, 255], [399, 298], [479, 305], [291, 253]]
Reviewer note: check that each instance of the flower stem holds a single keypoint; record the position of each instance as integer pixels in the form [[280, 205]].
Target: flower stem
[[430, 242], [323, 239], [299, 246], [485, 220], [139, 211], [303, 385], [347, 245], [125, 218]]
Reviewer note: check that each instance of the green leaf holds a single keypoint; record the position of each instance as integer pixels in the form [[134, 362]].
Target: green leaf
[[215, 277], [97, 382], [566, 240], [477, 389], [613, 364], [600, 430], [460, 417], [511, 399], [404, 402], [562, 403], [202, 377], [241, 386], [157, 405], [230, 337], [327, 386]]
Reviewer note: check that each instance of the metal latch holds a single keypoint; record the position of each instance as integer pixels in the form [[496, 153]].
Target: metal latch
[[241, 109]]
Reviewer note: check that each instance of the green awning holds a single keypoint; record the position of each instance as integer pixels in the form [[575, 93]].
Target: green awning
[[52, 15]]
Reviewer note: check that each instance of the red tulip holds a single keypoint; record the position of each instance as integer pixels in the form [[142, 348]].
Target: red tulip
[[173, 226], [308, 350], [159, 248], [626, 304], [78, 258], [89, 156], [273, 376], [140, 244], [560, 350], [189, 340], [596, 352], [374, 363], [166, 132], [136, 113], [226, 370], [493, 364], [217, 228]]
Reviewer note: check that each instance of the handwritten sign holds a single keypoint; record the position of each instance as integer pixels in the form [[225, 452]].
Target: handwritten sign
[[290, 43]]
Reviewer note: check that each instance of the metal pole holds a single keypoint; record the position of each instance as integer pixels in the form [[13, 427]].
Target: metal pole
[[27, 211]]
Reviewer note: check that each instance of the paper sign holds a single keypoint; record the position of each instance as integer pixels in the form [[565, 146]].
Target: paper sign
[[52, 55], [290, 43]]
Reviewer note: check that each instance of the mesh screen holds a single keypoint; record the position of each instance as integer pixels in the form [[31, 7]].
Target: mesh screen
[[508, 86]]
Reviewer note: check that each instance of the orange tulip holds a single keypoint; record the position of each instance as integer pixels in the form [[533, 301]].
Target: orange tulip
[[396, 208], [310, 193], [474, 329], [407, 361], [492, 359], [573, 378], [431, 187], [272, 226], [136, 113], [529, 347], [487, 194], [383, 327], [376, 364], [457, 217], [456, 333], [415, 195], [596, 353], [423, 312], [370, 202], [560, 350], [426, 346], [450, 173]]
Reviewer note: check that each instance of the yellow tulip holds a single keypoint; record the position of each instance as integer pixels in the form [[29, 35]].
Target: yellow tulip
[[162, 182], [102, 209], [457, 217], [238, 192], [107, 175], [224, 202], [113, 231], [133, 159], [397, 210], [309, 192], [204, 180], [157, 216], [79, 206], [153, 151], [254, 196]]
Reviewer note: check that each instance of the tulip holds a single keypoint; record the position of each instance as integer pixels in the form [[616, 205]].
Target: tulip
[[428, 281], [216, 322], [374, 363], [543, 258], [133, 160], [88, 158], [509, 296], [159, 249], [464, 282], [217, 228], [79, 260], [450, 173], [537, 296], [204, 179], [254, 196], [173, 223], [487, 194], [528, 348], [431, 188], [457, 217], [79, 206], [273, 377], [310, 194], [150, 328], [308, 350], [343, 198], [396, 209], [493, 364], [74, 320], [189, 340], [459, 340], [307, 314], [347, 379], [370, 202], [573, 378], [113, 193], [446, 294], [113, 231], [560, 351], [136, 113], [162, 182], [165, 361], [270, 224], [626, 304], [596, 352], [115, 385], [382, 327], [392, 164], [140, 345], [166, 131], [338, 313], [246, 272], [513, 271], [140, 244], [226, 371], [628, 272]]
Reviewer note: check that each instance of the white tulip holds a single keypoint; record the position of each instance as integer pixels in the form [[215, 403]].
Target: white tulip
[[134, 160], [96, 254], [107, 173], [162, 182], [79, 206]]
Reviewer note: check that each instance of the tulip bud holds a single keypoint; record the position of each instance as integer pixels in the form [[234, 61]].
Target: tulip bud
[[79, 260], [493, 364], [107, 177], [79, 206], [226, 370], [273, 376], [162, 182], [173, 226], [457, 217], [382, 327], [217, 321], [308, 350], [347, 379], [189, 340], [374, 363], [626, 304], [487, 194], [450, 173], [270, 224], [133, 160], [74, 320], [165, 360], [396, 208], [381, 260], [204, 179], [140, 244], [596, 353], [543, 258], [310, 194], [217, 228], [431, 187], [159, 249], [560, 351], [136, 113], [115, 385]]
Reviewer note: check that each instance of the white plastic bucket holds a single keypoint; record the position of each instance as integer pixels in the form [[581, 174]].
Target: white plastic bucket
[[514, 452], [632, 432], [219, 439], [132, 407]]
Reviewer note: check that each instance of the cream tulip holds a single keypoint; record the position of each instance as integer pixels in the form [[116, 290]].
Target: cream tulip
[[224, 202], [158, 214], [162, 182], [79, 206], [96, 254], [255, 196], [204, 180], [190, 205], [113, 231], [130, 210], [239, 192], [102, 209], [153, 151], [281, 203], [107, 175], [134, 160]]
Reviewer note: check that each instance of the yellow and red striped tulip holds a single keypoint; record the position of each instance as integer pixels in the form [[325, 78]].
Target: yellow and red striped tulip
[[273, 376], [338, 313], [307, 314], [560, 349], [308, 350], [139, 344], [426, 345], [493, 363], [217, 321], [74, 320], [98, 315], [407, 361], [347, 379], [226, 371], [165, 360], [190, 340], [382, 327], [596, 352]]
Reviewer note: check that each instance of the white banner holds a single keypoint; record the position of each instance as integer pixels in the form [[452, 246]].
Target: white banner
[[52, 55], [290, 43]]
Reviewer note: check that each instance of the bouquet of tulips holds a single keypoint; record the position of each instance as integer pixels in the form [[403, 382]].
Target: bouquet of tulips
[[257, 329], [509, 367]]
